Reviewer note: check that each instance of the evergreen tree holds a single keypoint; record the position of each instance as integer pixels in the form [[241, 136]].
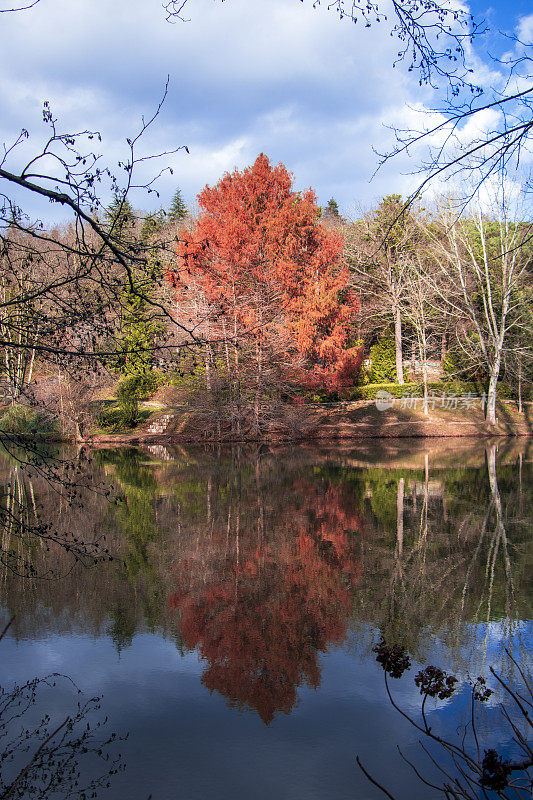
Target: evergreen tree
[[332, 209], [383, 360], [139, 331], [152, 224], [119, 215], [178, 209]]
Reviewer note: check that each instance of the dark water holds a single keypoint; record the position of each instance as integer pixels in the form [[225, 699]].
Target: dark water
[[231, 636]]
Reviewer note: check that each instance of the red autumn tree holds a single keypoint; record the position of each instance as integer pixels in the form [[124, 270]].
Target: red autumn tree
[[261, 257]]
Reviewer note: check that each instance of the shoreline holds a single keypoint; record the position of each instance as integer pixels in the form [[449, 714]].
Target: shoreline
[[306, 424], [169, 439], [133, 439], [342, 423]]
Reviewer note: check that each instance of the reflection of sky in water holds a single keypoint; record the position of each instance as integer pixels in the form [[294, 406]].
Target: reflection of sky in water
[[187, 743]]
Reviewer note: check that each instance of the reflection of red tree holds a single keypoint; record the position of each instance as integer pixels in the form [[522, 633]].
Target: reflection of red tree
[[261, 613]]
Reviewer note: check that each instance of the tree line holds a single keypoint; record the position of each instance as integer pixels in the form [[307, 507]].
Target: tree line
[[263, 297]]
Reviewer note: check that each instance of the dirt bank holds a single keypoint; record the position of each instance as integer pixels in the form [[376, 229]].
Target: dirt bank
[[342, 421]]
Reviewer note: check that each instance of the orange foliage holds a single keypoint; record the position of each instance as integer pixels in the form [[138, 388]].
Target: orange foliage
[[261, 257]]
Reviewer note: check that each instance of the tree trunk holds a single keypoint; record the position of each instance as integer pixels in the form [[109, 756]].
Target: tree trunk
[[520, 384], [398, 344], [491, 394], [520, 493], [259, 384], [422, 349], [426, 393], [444, 345], [208, 368], [230, 378]]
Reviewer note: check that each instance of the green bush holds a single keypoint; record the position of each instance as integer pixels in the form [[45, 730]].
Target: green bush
[[506, 392], [139, 386], [446, 386], [369, 391], [459, 387], [527, 393], [110, 419], [28, 421], [455, 387], [190, 376], [121, 419], [383, 360], [452, 367]]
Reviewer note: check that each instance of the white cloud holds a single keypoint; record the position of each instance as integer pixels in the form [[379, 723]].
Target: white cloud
[[273, 75], [525, 29]]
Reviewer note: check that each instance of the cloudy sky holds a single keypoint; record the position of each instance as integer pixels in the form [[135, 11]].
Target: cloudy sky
[[246, 76]]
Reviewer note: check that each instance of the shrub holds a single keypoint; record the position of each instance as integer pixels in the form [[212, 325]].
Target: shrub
[[120, 419], [450, 367], [28, 421], [190, 376], [320, 396], [110, 419], [369, 391], [139, 386], [506, 392], [460, 387], [449, 387], [383, 360]]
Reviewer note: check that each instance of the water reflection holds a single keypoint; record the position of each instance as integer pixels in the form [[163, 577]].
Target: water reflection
[[265, 587], [261, 561]]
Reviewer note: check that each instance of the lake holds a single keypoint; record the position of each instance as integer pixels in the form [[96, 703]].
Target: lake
[[230, 637]]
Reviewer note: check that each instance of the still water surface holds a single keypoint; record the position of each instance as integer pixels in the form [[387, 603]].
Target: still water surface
[[232, 634]]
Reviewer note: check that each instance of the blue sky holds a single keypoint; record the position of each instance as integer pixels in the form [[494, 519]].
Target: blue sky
[[245, 76]]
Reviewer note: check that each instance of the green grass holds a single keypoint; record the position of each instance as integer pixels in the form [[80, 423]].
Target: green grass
[[117, 419], [22, 421]]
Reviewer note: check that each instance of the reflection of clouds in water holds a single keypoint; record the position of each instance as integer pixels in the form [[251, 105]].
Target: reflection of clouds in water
[[181, 733], [95, 658]]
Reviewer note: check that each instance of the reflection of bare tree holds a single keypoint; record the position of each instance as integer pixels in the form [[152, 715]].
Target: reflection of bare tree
[[19, 513], [468, 767], [442, 552], [493, 546], [26, 529]]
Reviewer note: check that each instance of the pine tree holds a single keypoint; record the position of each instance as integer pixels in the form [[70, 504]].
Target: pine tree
[[178, 209], [152, 224], [383, 360], [119, 215], [332, 209], [139, 332]]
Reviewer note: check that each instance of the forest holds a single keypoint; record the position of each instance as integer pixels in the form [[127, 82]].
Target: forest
[[260, 301]]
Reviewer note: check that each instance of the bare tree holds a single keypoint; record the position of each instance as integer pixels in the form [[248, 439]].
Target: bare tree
[[381, 248], [418, 307], [482, 263]]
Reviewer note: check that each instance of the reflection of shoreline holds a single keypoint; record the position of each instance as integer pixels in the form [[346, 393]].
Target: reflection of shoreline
[[383, 453]]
